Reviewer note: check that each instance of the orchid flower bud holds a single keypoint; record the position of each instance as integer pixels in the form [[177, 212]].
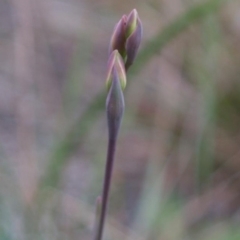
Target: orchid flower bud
[[134, 35], [116, 63], [131, 22], [118, 37], [114, 105]]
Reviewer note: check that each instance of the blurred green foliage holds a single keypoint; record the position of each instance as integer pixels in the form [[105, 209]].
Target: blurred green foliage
[[177, 174]]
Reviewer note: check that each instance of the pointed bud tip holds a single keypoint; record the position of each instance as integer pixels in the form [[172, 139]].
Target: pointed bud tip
[[134, 12], [118, 36], [131, 22]]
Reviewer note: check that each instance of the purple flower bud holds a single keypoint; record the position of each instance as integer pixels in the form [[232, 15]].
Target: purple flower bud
[[114, 106], [126, 37], [131, 22], [134, 36], [116, 63], [118, 37]]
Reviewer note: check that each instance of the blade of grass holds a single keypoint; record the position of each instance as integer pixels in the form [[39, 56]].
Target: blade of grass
[[206, 78]]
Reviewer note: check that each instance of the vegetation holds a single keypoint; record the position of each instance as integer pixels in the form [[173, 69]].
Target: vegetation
[[176, 169]]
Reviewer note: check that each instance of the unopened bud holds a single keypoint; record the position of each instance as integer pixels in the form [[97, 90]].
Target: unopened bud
[[126, 37], [116, 63], [134, 37], [118, 37], [131, 22], [114, 105]]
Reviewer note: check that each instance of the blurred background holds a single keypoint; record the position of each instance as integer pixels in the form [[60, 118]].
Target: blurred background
[[177, 169]]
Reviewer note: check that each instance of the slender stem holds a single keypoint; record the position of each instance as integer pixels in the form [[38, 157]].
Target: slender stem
[[114, 109], [106, 186]]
